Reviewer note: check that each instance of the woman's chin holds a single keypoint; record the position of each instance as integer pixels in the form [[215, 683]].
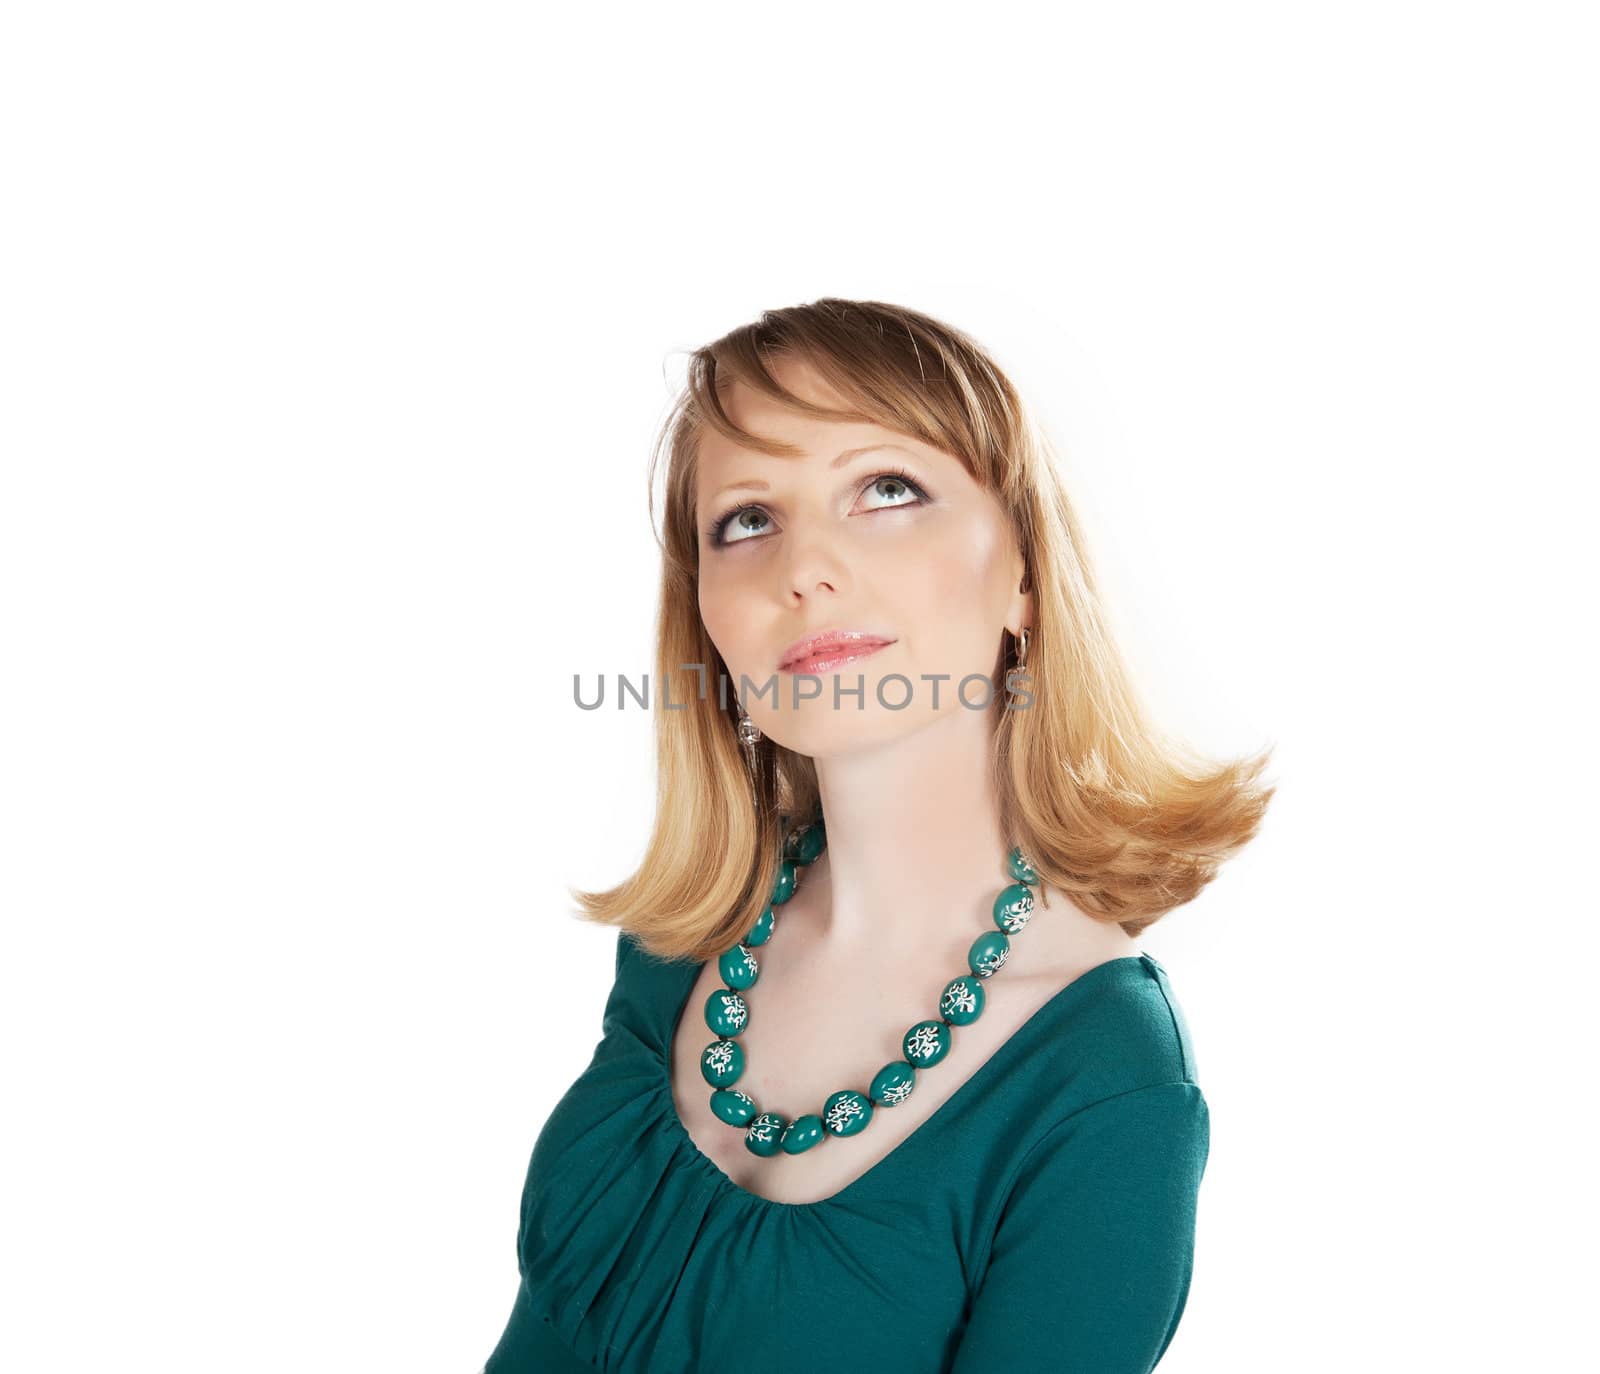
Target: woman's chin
[[816, 730]]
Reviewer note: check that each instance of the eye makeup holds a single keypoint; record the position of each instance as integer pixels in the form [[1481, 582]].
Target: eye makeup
[[715, 531]]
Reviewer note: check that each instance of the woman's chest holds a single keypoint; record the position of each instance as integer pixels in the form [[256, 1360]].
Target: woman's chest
[[808, 1036]]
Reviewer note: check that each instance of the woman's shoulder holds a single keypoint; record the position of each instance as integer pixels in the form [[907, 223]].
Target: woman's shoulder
[[1163, 1032], [1122, 1029], [1123, 1107], [645, 986]]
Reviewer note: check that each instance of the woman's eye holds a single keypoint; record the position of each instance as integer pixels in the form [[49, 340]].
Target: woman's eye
[[751, 522], [894, 487], [743, 524]]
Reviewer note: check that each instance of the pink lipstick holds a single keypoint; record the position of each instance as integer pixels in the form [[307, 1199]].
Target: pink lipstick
[[830, 649]]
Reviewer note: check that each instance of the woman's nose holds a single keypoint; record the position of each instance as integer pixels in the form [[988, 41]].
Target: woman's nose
[[813, 562]]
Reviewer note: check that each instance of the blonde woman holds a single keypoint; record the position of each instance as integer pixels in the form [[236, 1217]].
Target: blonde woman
[[885, 1080]]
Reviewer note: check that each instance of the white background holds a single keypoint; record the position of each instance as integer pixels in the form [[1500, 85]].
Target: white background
[[334, 338]]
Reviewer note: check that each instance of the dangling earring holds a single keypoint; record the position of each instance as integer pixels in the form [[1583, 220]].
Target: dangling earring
[[749, 732], [1021, 665]]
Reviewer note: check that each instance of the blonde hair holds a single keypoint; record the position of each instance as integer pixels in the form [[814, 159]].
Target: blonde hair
[[1126, 822]]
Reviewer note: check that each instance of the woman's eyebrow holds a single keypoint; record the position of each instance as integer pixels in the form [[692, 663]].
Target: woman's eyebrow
[[756, 484]]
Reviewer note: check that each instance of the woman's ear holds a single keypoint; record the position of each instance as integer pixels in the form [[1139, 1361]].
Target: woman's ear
[[1020, 612]]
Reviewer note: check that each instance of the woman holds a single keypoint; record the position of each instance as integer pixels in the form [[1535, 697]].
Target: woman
[[885, 1080]]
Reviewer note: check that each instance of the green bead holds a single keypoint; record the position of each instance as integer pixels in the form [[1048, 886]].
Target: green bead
[[804, 846], [721, 1063], [761, 931], [783, 884], [738, 968], [989, 953], [962, 1003], [1012, 908], [893, 1083], [733, 1106], [765, 1134], [847, 1112], [1021, 869], [801, 1134], [726, 1012], [926, 1043]]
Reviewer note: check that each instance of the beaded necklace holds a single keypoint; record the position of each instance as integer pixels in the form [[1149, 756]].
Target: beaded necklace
[[848, 1111]]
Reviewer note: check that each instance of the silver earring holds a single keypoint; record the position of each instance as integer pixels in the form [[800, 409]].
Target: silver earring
[[749, 731], [1022, 647]]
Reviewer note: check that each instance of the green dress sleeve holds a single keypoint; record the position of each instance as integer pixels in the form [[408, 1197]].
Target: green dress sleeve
[[1091, 1259]]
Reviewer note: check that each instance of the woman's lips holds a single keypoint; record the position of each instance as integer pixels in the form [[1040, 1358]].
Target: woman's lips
[[834, 656]]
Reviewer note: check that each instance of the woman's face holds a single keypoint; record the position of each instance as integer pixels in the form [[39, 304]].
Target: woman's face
[[925, 563]]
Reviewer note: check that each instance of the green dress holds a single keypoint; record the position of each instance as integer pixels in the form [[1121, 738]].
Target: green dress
[[1042, 1218]]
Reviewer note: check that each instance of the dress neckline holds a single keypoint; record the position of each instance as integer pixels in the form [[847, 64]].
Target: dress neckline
[[1007, 1047]]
